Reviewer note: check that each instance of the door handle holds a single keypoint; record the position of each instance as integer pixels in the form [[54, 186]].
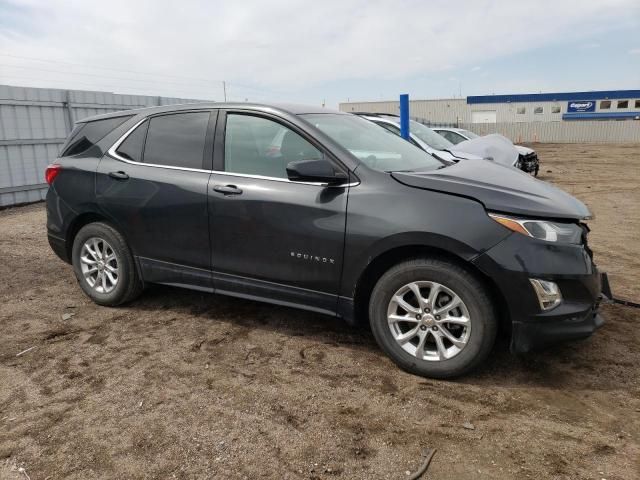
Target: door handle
[[227, 189], [120, 175]]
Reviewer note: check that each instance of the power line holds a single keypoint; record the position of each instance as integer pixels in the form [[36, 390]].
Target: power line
[[114, 88], [208, 81], [107, 68], [98, 75]]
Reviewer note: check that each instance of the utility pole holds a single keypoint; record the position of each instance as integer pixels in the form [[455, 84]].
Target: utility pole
[[224, 89]]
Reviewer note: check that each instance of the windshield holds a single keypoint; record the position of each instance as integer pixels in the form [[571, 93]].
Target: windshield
[[428, 136], [469, 134], [374, 146]]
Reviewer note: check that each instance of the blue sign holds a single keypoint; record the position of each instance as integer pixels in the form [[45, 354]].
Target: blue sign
[[580, 106]]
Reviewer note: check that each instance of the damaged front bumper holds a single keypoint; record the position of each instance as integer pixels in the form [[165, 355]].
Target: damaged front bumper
[[529, 163], [513, 262]]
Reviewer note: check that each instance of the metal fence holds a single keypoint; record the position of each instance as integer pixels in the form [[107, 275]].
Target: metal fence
[[627, 131], [34, 123], [575, 131]]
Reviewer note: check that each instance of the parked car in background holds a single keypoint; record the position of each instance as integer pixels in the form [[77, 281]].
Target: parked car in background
[[325, 211], [528, 158], [421, 136]]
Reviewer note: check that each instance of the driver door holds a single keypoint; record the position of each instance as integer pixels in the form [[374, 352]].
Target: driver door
[[271, 238]]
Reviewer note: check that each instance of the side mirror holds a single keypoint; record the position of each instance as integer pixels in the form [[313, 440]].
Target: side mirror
[[315, 171]]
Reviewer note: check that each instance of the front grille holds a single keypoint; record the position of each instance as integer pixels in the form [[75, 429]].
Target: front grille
[[529, 162]]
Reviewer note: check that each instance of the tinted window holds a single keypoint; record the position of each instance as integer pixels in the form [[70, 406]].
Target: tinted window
[[623, 103], [131, 148], [637, 103], [452, 137], [177, 140], [605, 104], [86, 135], [258, 146]]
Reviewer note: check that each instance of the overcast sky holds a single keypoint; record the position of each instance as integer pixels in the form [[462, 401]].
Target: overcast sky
[[322, 50]]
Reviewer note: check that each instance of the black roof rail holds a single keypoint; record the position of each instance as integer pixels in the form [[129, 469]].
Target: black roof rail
[[375, 114]]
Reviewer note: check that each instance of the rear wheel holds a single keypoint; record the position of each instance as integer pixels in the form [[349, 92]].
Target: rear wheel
[[433, 318], [104, 266]]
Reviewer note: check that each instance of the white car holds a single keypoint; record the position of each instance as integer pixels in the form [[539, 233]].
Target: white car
[[422, 137], [528, 158]]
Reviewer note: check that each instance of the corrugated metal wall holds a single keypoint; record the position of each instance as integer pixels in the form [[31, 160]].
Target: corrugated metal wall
[[530, 127], [34, 123], [575, 131]]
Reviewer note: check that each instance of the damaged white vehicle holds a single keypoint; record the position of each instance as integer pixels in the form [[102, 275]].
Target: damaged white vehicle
[[527, 157]]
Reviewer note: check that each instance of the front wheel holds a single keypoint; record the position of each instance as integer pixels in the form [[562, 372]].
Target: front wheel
[[433, 318]]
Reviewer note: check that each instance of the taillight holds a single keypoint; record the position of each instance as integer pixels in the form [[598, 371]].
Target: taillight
[[52, 172]]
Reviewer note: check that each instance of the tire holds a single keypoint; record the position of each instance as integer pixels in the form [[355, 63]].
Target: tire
[[474, 338], [111, 258]]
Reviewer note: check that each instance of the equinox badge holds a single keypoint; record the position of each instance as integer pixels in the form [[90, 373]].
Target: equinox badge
[[312, 258]]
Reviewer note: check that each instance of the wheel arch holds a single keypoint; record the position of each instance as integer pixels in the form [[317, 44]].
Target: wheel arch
[[387, 259]]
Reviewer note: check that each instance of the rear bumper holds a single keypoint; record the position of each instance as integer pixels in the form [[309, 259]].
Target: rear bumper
[[59, 247], [511, 264]]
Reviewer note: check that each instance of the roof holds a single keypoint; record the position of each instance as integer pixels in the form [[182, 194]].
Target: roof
[[552, 97], [290, 108]]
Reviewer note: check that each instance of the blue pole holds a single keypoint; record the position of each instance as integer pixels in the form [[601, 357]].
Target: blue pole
[[404, 116]]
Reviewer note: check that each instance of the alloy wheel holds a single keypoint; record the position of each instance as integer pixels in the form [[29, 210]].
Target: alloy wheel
[[429, 321], [99, 264]]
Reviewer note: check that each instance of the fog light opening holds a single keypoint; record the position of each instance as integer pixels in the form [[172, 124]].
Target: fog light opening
[[548, 293]]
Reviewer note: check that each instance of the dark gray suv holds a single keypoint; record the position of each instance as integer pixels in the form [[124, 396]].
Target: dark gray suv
[[327, 212]]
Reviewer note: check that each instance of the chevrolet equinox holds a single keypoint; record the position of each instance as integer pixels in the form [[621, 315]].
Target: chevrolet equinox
[[324, 211]]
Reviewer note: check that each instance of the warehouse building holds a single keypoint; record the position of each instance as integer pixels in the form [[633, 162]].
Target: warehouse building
[[553, 117]]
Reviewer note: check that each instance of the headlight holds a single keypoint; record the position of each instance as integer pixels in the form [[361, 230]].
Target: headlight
[[542, 229]]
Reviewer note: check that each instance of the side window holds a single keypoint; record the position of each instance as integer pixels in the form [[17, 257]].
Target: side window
[[131, 148], [86, 135], [455, 138], [387, 126], [177, 139], [258, 146]]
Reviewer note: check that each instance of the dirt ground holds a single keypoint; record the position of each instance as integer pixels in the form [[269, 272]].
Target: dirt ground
[[186, 385]]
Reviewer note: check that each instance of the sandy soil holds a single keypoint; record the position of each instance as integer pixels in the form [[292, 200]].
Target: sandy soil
[[185, 385]]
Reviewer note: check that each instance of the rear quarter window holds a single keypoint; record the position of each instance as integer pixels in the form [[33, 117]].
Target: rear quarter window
[[86, 135]]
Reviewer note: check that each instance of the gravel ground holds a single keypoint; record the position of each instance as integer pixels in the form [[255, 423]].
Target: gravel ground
[[184, 385]]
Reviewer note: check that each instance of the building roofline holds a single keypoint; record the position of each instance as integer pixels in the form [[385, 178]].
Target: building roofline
[[557, 96]]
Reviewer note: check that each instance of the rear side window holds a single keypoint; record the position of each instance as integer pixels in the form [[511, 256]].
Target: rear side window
[[131, 148], [86, 135], [177, 140]]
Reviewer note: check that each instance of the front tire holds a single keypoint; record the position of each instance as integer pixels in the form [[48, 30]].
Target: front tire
[[104, 266], [433, 318]]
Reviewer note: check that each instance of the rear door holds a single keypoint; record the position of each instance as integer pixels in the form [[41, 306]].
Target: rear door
[[153, 186], [272, 238]]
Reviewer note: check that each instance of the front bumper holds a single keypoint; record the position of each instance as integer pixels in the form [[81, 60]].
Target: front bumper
[[529, 163], [515, 260]]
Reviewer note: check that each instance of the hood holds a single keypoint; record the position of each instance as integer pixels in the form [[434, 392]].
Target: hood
[[524, 150], [449, 155], [493, 146], [499, 189], [465, 155]]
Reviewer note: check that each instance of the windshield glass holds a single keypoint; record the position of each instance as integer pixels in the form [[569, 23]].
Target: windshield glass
[[469, 134], [374, 146], [428, 136]]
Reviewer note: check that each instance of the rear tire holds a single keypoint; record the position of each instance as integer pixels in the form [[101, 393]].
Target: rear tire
[[446, 331], [104, 266]]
